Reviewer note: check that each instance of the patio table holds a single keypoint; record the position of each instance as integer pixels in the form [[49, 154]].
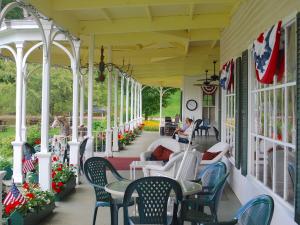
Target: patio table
[[140, 165], [117, 190]]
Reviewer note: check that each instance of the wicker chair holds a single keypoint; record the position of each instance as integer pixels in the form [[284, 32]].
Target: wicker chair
[[82, 148], [95, 171], [152, 202]]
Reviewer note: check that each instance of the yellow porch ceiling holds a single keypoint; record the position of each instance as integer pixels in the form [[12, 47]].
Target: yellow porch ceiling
[[163, 40]]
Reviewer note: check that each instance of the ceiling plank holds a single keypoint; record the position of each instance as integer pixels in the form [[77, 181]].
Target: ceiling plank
[[192, 9], [65, 5], [160, 24]]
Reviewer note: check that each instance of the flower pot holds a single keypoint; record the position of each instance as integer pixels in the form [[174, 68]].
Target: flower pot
[[31, 218], [67, 189], [121, 145]]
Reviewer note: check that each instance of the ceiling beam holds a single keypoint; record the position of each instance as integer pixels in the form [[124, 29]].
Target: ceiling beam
[[192, 9], [146, 38], [65, 5], [106, 15], [160, 24], [149, 14]]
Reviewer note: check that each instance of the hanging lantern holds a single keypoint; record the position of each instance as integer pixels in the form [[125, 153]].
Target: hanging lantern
[[101, 68]]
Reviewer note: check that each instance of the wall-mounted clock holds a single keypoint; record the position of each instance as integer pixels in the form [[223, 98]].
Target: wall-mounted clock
[[191, 105]]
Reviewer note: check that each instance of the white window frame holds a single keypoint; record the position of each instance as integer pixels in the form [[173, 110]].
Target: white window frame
[[209, 107], [284, 142], [228, 117]]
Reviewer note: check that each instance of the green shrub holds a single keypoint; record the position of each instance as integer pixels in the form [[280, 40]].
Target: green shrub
[[6, 149], [5, 163]]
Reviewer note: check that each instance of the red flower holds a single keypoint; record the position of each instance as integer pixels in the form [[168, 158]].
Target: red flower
[[30, 195], [53, 185], [53, 174], [54, 158], [26, 185], [59, 169], [60, 184], [37, 141]]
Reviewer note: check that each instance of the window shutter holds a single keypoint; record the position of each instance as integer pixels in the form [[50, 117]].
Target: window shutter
[[243, 118], [297, 188], [237, 113]]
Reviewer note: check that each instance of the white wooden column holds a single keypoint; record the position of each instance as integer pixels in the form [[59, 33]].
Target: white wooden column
[[131, 105], [74, 143], [18, 143], [141, 104], [24, 94], [108, 145], [90, 144], [160, 106], [44, 155], [135, 104], [81, 114], [116, 128], [127, 105], [121, 125]]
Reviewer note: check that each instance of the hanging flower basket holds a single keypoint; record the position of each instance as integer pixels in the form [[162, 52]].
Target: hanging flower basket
[[68, 188], [35, 217]]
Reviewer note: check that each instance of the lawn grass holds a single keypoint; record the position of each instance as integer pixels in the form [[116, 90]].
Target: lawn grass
[[173, 107]]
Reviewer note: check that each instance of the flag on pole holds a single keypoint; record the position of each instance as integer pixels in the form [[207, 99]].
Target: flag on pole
[[14, 196], [27, 163]]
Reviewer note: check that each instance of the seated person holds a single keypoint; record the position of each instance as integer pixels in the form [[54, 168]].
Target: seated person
[[183, 136], [184, 127]]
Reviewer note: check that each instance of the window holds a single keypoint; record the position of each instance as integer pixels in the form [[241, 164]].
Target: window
[[209, 106], [229, 122], [272, 123]]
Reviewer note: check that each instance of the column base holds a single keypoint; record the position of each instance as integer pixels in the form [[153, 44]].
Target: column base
[[122, 128], [74, 157], [45, 168], [108, 143], [24, 134], [89, 152], [17, 162], [115, 147]]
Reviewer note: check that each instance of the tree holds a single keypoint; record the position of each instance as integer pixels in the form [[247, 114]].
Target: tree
[[151, 100]]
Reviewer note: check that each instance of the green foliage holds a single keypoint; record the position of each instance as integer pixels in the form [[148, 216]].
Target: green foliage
[[16, 13], [151, 100], [5, 163], [33, 134], [99, 125], [6, 149]]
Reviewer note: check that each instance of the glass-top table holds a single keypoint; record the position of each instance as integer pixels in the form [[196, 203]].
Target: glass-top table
[[117, 188]]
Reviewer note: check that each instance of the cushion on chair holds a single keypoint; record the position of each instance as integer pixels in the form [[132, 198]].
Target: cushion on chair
[[161, 153], [209, 155]]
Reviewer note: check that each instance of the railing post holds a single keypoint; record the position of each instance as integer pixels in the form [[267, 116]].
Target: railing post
[[2, 174], [81, 115], [24, 93], [90, 144]]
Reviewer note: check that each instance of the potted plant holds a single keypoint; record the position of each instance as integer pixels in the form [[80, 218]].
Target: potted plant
[[38, 205], [63, 179]]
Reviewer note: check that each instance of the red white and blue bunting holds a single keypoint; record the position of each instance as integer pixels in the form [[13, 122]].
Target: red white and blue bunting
[[209, 89], [226, 79], [268, 55]]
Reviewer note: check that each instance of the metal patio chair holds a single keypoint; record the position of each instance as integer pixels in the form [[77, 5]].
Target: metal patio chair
[[152, 201]]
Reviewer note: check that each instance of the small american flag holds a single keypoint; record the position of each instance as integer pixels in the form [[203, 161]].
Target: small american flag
[[14, 195], [27, 163]]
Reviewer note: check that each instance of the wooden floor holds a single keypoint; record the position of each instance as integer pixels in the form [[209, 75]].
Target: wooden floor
[[77, 209]]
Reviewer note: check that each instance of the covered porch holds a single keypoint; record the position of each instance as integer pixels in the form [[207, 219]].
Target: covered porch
[[217, 52]]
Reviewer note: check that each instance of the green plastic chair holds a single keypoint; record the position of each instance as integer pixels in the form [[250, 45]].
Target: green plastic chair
[[152, 201], [213, 178], [258, 211], [81, 153], [95, 171]]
